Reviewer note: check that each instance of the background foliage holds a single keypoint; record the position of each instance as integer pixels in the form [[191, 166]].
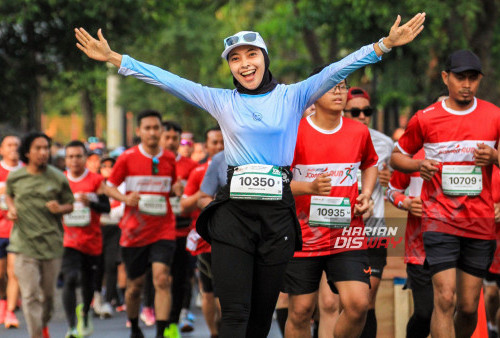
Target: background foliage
[[41, 69]]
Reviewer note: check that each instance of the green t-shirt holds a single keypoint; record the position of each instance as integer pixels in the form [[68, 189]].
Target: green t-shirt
[[37, 232]]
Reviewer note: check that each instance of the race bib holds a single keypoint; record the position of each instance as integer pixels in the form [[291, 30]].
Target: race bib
[[257, 182], [80, 217], [330, 212], [155, 205], [175, 203], [462, 180], [3, 205], [192, 240]]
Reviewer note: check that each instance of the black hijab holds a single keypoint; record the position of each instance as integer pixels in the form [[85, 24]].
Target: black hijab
[[268, 82]]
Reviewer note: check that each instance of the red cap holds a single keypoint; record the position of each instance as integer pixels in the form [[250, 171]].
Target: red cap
[[357, 92]]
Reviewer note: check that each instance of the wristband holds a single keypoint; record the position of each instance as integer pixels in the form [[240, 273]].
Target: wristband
[[382, 47]]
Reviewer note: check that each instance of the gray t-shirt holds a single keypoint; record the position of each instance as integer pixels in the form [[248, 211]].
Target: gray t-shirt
[[383, 147], [216, 175]]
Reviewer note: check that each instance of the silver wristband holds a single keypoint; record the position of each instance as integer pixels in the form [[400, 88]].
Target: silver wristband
[[383, 48]]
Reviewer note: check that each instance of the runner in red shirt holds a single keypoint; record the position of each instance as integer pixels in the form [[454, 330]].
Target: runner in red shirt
[[492, 279], [10, 290], [419, 277], [329, 210], [197, 245], [182, 267], [458, 135], [82, 238], [148, 224]]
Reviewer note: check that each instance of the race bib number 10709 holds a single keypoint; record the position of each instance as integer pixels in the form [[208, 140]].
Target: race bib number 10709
[[257, 182], [462, 180]]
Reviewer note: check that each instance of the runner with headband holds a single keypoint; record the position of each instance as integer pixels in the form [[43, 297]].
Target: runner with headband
[[252, 224]]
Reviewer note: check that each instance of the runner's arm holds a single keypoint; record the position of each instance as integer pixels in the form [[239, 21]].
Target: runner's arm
[[204, 200], [189, 203], [320, 186], [315, 86], [404, 162], [200, 96]]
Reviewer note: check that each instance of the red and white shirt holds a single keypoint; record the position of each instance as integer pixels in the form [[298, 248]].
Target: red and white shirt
[[196, 245], [82, 227], [184, 167], [5, 223], [340, 153], [450, 137], [153, 219], [414, 244], [495, 186]]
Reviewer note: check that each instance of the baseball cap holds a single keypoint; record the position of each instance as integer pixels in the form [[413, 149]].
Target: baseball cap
[[357, 92], [240, 39], [463, 60]]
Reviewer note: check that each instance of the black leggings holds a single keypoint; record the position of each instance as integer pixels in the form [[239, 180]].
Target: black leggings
[[182, 272], [108, 266], [419, 324], [78, 269], [248, 291]]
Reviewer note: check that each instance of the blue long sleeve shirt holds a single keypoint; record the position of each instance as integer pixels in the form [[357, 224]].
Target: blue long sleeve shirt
[[256, 128]]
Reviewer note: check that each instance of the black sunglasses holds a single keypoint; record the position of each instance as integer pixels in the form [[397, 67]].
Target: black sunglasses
[[355, 112], [154, 169]]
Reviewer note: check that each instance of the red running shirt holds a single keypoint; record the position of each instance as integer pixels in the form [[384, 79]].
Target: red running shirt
[[495, 186], [85, 238], [184, 167], [135, 168], [340, 153], [450, 137], [414, 244], [192, 187], [5, 223]]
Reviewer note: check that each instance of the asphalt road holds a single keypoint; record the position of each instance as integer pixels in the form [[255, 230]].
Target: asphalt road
[[113, 327]]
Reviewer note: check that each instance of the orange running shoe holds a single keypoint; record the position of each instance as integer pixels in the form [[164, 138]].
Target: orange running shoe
[[11, 321]]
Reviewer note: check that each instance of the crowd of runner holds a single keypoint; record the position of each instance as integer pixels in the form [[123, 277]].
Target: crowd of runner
[[255, 221]]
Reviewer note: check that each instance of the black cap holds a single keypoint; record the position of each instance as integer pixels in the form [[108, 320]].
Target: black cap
[[463, 60]]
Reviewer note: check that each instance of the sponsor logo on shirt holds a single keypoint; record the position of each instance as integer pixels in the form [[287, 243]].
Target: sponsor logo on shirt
[[454, 151], [342, 174]]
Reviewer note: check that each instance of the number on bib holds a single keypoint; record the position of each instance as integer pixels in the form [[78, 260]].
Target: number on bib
[[257, 182], [331, 212], [462, 180]]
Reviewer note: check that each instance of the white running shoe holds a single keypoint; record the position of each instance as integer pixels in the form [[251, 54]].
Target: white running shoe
[[106, 311]]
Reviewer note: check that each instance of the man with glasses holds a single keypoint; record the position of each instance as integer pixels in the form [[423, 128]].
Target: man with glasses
[[148, 224], [326, 196], [359, 108]]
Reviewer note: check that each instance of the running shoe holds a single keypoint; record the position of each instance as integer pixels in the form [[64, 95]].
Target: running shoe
[[121, 308], [172, 331], [97, 303], [11, 321], [3, 310], [106, 311], [72, 333], [84, 323], [148, 316], [186, 324], [45, 332]]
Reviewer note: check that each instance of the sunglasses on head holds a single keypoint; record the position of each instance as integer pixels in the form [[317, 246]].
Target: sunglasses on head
[[154, 168], [248, 37], [355, 112]]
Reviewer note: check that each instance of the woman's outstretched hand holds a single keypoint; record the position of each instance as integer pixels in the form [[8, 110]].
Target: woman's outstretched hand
[[96, 49], [401, 35]]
